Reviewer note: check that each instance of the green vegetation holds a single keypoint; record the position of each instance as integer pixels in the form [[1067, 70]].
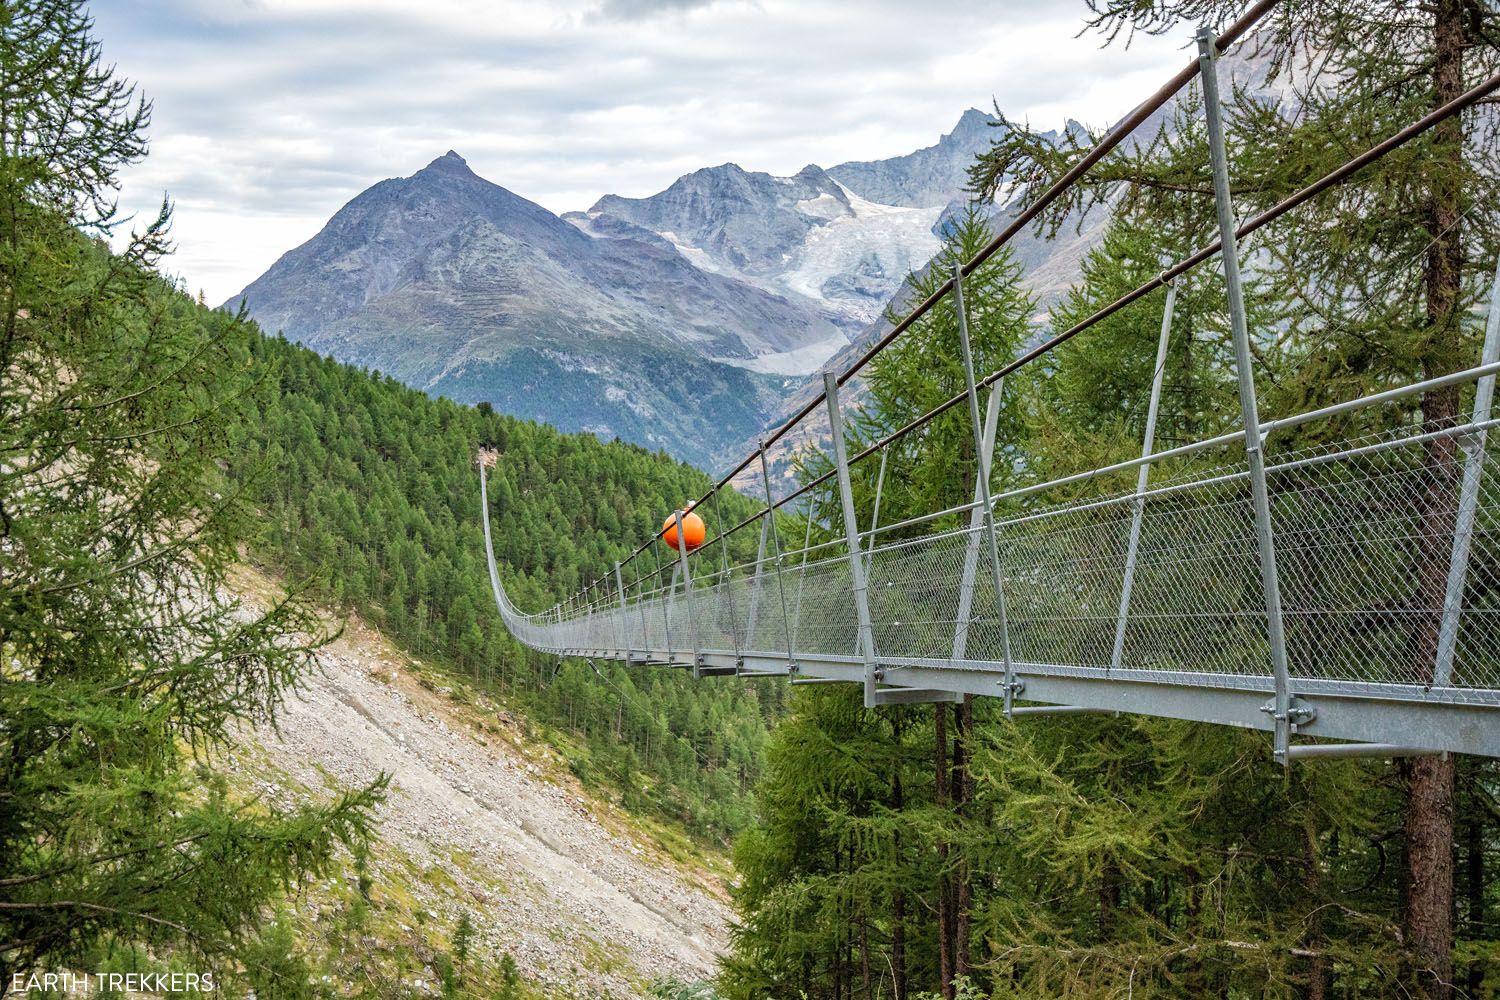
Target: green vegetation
[[370, 488], [122, 660], [671, 989]]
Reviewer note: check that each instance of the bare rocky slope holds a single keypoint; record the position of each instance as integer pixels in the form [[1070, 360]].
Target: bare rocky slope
[[461, 288], [587, 900]]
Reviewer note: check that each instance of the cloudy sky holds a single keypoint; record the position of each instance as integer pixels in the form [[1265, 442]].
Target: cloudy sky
[[271, 114]]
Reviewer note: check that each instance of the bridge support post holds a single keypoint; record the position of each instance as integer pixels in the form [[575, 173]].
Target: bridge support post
[[640, 603], [726, 585], [964, 616], [1138, 515], [666, 604], [752, 616], [786, 624], [687, 593], [1468, 499], [851, 537], [812, 506], [1281, 705], [624, 612], [982, 459], [875, 515]]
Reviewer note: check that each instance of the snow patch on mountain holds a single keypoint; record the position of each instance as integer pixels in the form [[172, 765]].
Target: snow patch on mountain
[[802, 361], [856, 261], [696, 256]]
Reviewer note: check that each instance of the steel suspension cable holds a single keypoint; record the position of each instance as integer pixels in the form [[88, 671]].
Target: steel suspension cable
[[1329, 180], [1121, 131]]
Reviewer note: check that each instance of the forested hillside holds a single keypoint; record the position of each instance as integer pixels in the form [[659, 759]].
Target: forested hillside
[[369, 488]]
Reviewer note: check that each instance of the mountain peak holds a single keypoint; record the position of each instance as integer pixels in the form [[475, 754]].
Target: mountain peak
[[972, 125], [449, 162]]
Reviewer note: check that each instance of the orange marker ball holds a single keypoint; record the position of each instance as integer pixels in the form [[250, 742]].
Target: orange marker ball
[[693, 532]]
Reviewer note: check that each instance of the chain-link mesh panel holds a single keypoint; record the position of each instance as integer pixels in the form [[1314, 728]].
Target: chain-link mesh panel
[[1476, 660], [1366, 538], [1063, 574], [1365, 541]]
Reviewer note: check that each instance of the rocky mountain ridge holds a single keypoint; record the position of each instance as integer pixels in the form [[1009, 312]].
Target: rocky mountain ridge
[[680, 321], [462, 288], [844, 238]]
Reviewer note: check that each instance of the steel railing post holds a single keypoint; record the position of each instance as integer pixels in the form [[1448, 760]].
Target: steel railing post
[[640, 604], [666, 605], [875, 514], [1281, 706], [624, 612], [753, 614], [786, 623], [1132, 545], [802, 572], [851, 538], [1468, 499], [982, 460], [687, 591], [726, 588], [963, 618]]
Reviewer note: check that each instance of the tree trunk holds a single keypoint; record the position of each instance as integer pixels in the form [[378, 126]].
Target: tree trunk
[[1318, 985], [963, 795], [898, 945], [1109, 898], [1429, 809], [864, 951], [898, 895], [1429, 874], [1193, 930], [1474, 837], [944, 886]]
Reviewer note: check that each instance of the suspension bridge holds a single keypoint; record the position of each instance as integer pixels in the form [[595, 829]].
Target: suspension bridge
[[1343, 596]]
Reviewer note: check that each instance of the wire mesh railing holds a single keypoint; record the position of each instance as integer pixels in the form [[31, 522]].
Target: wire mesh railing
[[1364, 531], [1367, 571]]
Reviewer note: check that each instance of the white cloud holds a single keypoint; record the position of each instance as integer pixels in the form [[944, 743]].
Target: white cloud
[[271, 114]]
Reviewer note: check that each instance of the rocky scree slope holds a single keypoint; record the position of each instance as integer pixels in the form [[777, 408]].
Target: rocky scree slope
[[481, 819]]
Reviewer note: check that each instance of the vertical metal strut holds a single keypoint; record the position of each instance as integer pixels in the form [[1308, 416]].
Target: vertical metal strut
[[982, 459], [964, 617], [727, 587], [640, 603], [875, 515], [687, 590], [1281, 706], [851, 537], [666, 605], [802, 571], [1157, 377], [624, 612], [1468, 498], [752, 616], [786, 625]]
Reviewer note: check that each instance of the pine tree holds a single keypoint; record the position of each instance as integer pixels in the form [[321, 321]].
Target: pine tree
[[1380, 295], [121, 657]]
